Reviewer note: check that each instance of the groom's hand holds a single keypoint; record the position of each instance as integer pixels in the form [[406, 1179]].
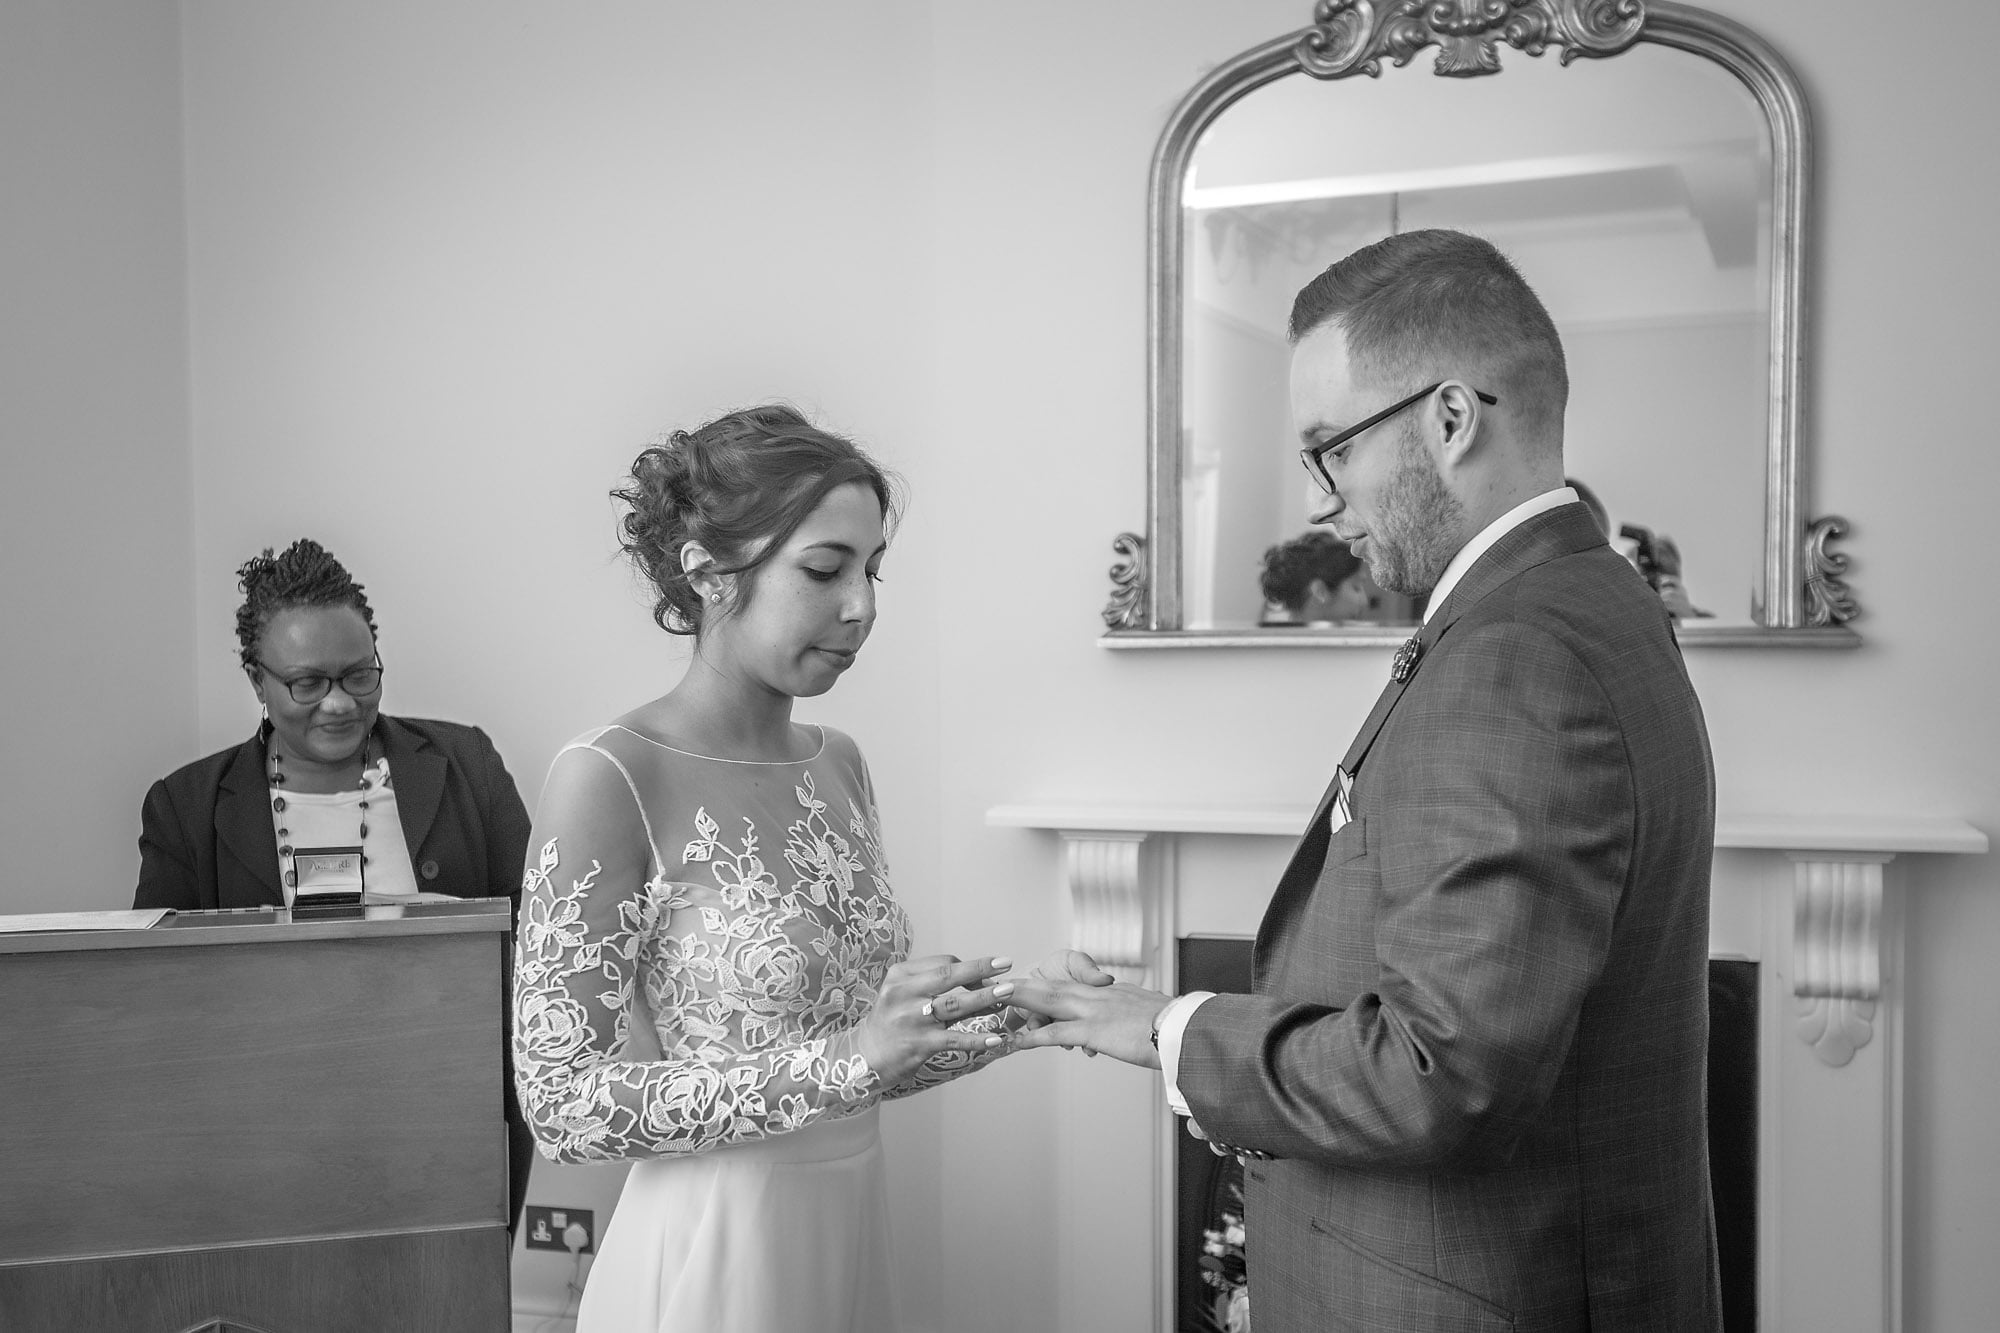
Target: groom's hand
[[1116, 1020], [1062, 965], [1072, 965]]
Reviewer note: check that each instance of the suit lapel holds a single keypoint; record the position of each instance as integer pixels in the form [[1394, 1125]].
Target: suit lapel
[[246, 870], [1564, 530], [1301, 873], [1309, 857], [418, 772], [1365, 738]]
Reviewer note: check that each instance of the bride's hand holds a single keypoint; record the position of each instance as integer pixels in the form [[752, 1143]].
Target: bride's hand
[[919, 1001]]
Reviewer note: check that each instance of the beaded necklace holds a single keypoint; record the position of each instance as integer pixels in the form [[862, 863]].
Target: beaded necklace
[[278, 803]]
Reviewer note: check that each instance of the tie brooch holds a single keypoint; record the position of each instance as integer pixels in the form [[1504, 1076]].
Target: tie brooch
[[1405, 665]]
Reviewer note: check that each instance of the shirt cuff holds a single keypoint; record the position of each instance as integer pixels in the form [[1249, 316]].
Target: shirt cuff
[[1173, 1026]]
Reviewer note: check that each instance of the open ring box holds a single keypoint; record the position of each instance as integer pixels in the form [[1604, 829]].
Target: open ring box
[[330, 882]]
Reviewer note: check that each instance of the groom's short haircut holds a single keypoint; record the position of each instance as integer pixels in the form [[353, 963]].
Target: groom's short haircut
[[1427, 305]]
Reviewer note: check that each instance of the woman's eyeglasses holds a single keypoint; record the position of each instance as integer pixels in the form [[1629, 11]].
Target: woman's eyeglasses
[[310, 689]]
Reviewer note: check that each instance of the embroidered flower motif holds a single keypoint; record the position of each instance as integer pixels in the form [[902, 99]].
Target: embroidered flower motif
[[549, 922], [553, 1027]]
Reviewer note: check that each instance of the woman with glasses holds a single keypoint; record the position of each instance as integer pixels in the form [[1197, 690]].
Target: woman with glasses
[[429, 803]]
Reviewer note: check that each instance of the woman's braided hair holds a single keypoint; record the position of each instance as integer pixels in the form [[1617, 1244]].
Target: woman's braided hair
[[740, 486], [305, 575]]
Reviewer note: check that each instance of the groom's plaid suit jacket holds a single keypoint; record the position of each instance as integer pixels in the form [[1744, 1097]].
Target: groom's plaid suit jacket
[[1476, 1051]]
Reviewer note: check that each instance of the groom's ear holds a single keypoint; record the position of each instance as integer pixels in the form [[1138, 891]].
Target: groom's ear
[[1459, 418]]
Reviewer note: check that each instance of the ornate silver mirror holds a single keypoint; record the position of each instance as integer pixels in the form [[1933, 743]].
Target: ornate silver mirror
[[1657, 201]]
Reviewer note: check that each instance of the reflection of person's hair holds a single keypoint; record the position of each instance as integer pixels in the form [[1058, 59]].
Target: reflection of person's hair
[[739, 486], [305, 575], [1291, 566], [1425, 305]]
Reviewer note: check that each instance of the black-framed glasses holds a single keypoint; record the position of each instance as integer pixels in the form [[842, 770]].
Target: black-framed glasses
[[1314, 455], [358, 683]]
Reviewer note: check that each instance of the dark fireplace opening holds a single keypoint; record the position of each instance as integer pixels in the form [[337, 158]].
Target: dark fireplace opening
[[1208, 1263]]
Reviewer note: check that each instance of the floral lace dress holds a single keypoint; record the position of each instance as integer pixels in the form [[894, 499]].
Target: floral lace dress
[[692, 1008]]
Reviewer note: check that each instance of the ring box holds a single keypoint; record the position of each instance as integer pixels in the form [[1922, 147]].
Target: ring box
[[329, 881]]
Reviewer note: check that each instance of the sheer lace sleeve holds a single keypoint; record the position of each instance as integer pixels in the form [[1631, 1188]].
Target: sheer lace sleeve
[[945, 1065], [749, 995], [948, 1065]]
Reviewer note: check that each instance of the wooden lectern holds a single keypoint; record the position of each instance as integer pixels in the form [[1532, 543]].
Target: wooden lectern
[[238, 1120]]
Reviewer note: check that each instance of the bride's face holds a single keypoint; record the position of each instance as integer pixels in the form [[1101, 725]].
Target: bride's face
[[812, 604]]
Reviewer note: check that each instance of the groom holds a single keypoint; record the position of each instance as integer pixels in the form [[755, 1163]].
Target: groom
[[1471, 1075]]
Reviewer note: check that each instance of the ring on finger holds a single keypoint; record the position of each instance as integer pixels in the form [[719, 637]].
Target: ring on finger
[[930, 1011]]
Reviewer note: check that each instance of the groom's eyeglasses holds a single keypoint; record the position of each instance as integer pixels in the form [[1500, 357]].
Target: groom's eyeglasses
[[1314, 455]]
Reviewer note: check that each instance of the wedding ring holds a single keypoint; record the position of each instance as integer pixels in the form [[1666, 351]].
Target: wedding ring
[[929, 1012]]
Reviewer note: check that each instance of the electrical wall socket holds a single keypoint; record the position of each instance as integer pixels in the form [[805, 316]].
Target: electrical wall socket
[[545, 1226]]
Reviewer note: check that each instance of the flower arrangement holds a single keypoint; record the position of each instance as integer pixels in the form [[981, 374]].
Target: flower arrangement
[[1224, 1267]]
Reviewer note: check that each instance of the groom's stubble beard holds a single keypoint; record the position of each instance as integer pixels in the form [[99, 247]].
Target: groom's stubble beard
[[1416, 528]]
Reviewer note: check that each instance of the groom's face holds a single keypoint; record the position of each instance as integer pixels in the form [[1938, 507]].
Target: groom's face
[[1389, 503]]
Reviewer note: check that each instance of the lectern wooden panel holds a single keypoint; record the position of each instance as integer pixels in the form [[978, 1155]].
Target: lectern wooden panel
[[294, 1125]]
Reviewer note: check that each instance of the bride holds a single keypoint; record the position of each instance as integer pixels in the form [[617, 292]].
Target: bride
[[711, 976]]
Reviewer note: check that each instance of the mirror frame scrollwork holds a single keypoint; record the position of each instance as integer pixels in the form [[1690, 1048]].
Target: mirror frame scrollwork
[[1804, 598]]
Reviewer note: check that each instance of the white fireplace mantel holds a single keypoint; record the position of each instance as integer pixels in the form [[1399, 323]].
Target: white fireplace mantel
[[1821, 832], [1829, 940]]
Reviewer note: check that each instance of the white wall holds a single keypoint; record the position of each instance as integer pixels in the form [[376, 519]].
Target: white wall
[[1688, 465], [449, 264], [96, 656]]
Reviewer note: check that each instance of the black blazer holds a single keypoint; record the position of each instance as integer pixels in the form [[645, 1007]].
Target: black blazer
[[206, 839]]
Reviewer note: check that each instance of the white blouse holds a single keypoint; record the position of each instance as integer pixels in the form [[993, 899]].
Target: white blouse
[[333, 819]]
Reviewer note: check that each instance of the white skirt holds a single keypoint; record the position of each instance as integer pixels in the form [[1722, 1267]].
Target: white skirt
[[782, 1235]]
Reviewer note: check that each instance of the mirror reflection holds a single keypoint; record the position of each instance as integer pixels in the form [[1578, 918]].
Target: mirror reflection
[[1635, 197]]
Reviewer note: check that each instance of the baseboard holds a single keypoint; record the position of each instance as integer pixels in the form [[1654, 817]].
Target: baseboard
[[542, 1321], [539, 1321], [547, 1321]]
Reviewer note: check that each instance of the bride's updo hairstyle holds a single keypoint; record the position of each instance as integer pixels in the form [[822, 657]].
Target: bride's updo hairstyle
[[739, 485]]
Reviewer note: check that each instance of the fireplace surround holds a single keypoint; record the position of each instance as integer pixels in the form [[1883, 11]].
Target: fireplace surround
[[1816, 902]]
